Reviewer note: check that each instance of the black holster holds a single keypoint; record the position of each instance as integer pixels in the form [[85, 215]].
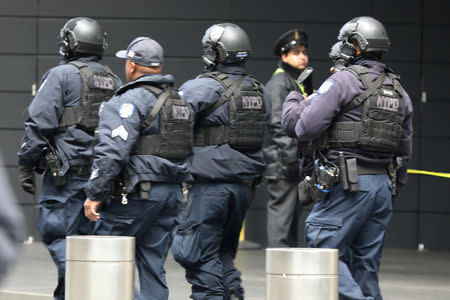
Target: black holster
[[53, 165], [348, 173]]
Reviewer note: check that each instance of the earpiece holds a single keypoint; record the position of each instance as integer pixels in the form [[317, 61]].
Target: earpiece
[[209, 57], [348, 50]]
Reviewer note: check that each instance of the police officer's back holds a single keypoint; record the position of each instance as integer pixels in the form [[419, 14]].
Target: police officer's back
[[230, 110], [364, 117], [144, 138], [60, 131]]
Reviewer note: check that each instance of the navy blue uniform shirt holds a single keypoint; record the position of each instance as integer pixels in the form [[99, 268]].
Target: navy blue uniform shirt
[[119, 129], [60, 87], [309, 119], [220, 162]]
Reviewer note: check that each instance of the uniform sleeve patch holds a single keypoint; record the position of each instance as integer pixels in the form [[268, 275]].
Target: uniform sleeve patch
[[95, 173], [121, 132], [325, 87], [126, 110]]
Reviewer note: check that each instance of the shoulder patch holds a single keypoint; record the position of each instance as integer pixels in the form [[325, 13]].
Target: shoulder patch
[[325, 87], [126, 110]]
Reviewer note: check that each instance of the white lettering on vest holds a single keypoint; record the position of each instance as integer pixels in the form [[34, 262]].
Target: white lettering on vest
[[252, 102], [103, 82], [387, 103], [180, 112]]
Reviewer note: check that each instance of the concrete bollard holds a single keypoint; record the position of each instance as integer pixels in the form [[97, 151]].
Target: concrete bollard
[[302, 273], [100, 267]]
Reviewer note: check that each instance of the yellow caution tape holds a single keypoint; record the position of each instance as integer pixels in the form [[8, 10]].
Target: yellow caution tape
[[410, 171], [242, 235], [439, 174]]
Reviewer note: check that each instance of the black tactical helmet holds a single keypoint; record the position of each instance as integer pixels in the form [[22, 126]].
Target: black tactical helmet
[[226, 43], [340, 60], [369, 34], [82, 36]]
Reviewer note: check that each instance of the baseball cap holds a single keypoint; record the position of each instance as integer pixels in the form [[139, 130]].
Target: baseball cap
[[143, 51]]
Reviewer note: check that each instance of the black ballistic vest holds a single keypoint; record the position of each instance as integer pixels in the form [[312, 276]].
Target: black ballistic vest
[[381, 125], [175, 125], [96, 88], [247, 116]]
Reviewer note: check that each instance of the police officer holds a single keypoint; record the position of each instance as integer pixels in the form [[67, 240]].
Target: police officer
[[367, 116], [144, 138], [281, 151], [230, 110], [59, 134]]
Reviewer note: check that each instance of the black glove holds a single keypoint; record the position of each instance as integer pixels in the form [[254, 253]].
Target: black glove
[[305, 192], [26, 178]]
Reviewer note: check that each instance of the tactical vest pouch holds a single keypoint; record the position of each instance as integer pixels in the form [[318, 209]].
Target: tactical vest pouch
[[97, 87], [247, 116], [175, 127]]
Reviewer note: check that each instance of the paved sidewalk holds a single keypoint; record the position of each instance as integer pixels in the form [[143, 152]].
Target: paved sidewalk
[[405, 275]]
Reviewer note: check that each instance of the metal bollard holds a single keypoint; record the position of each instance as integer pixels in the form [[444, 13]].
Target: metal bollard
[[302, 273], [100, 267]]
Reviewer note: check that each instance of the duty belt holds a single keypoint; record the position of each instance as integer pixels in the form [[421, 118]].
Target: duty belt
[[372, 170], [82, 171], [248, 182]]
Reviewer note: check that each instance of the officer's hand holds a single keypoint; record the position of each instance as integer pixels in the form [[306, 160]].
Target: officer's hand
[[26, 178], [90, 209]]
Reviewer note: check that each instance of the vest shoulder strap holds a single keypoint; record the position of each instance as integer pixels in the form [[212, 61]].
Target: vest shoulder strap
[[78, 64], [84, 70], [162, 97], [396, 82], [223, 78], [137, 84], [255, 83], [108, 70], [226, 95], [361, 73], [369, 91]]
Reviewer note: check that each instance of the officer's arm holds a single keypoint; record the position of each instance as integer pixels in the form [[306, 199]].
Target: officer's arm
[[200, 94], [44, 113], [118, 132], [293, 107], [318, 116], [405, 147]]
